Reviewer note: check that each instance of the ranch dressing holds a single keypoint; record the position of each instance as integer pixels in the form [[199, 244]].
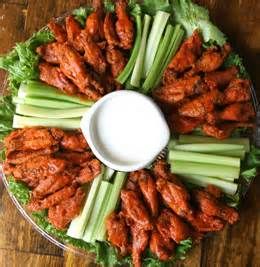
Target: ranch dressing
[[125, 130]]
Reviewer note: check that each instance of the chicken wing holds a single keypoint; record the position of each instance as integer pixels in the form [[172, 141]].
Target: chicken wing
[[95, 21], [53, 199], [175, 195], [124, 25], [117, 233], [201, 105], [240, 112], [58, 31], [183, 125], [29, 139], [148, 189], [139, 244], [187, 54], [74, 141], [51, 184], [90, 170], [93, 54], [222, 78], [110, 31], [135, 209], [169, 76], [203, 223], [237, 91], [75, 158], [212, 59], [53, 76], [73, 31], [224, 130], [116, 59], [171, 225], [180, 89], [162, 249], [211, 206], [73, 66], [62, 214], [37, 168], [49, 52]]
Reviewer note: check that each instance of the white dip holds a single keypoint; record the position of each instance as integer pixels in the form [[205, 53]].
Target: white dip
[[125, 130]]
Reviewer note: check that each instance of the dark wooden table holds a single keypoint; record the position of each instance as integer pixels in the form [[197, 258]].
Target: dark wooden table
[[237, 246]]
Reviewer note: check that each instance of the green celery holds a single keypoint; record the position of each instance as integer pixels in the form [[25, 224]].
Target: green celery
[[227, 187], [122, 78], [208, 147], [104, 189], [203, 158], [108, 174], [138, 69], [174, 46], [159, 60], [39, 112], [160, 21], [45, 103], [239, 153], [111, 205], [194, 139], [78, 225], [219, 171], [23, 122], [42, 90]]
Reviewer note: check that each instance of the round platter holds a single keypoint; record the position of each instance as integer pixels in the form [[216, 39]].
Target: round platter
[[52, 238]]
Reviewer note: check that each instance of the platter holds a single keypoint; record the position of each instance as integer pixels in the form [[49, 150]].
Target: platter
[[61, 239]]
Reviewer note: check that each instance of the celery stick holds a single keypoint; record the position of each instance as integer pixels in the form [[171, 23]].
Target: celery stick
[[206, 169], [159, 60], [122, 78], [108, 174], [45, 103], [193, 139], [172, 143], [42, 90], [204, 181], [203, 158], [39, 112], [101, 214], [95, 214], [138, 69], [78, 225], [174, 46], [111, 205], [22, 122], [240, 153], [159, 24], [208, 147]]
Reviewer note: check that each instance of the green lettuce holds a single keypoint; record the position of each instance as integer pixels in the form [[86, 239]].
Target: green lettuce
[[235, 60], [192, 16], [7, 110], [81, 14], [22, 61], [19, 190]]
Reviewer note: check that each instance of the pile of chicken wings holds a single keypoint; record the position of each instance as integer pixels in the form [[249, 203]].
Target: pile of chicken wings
[[158, 212], [54, 164], [198, 92], [86, 61]]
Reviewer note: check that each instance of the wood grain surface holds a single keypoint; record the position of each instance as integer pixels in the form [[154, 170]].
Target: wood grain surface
[[237, 246]]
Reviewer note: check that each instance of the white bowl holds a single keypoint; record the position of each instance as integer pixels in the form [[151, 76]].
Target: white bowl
[[126, 130]]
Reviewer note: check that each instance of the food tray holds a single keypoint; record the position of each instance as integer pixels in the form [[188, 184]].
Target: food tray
[[54, 240]]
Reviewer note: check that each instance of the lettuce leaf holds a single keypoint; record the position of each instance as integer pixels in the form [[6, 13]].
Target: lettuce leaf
[[19, 190], [152, 6], [81, 14], [235, 60], [22, 61], [249, 171], [193, 16], [7, 110]]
